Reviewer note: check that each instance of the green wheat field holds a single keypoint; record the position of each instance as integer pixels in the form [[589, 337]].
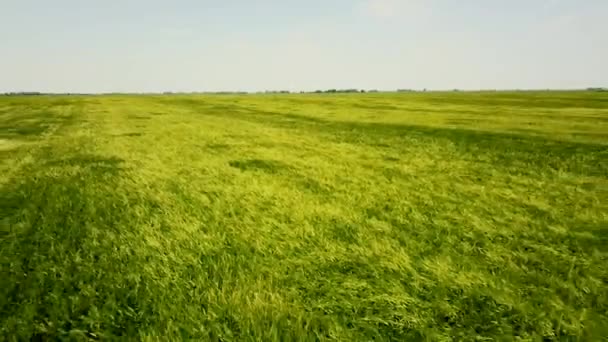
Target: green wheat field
[[433, 216]]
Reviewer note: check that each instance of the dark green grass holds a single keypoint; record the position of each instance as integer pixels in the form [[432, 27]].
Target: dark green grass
[[438, 216]]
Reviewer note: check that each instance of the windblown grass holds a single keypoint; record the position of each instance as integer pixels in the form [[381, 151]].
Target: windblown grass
[[438, 216]]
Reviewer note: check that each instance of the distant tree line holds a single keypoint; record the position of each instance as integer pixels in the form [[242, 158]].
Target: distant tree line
[[333, 91], [276, 92], [203, 92], [319, 91], [37, 93], [23, 93]]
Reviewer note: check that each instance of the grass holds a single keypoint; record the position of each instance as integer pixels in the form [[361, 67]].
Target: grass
[[435, 216]]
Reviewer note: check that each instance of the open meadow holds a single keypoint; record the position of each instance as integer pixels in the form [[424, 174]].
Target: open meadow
[[349, 217]]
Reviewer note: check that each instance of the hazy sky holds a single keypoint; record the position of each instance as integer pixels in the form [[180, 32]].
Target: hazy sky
[[197, 45]]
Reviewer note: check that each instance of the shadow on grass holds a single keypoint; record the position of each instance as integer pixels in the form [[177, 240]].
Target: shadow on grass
[[592, 236], [516, 152], [130, 135], [269, 166], [301, 181], [26, 123], [95, 166], [520, 99], [140, 117], [63, 259]]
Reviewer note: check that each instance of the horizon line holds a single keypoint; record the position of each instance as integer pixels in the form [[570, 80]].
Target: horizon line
[[318, 91]]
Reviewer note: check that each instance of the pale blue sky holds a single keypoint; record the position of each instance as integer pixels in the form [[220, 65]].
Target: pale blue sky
[[199, 45]]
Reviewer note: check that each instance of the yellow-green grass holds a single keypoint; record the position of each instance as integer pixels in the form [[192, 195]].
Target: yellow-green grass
[[423, 216]]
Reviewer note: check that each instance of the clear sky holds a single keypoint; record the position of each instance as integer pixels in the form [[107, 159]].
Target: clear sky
[[200, 45]]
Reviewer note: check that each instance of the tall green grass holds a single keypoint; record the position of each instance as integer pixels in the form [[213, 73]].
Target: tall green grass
[[437, 216]]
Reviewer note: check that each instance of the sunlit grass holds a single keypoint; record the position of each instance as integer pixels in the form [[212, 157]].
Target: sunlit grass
[[432, 216]]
